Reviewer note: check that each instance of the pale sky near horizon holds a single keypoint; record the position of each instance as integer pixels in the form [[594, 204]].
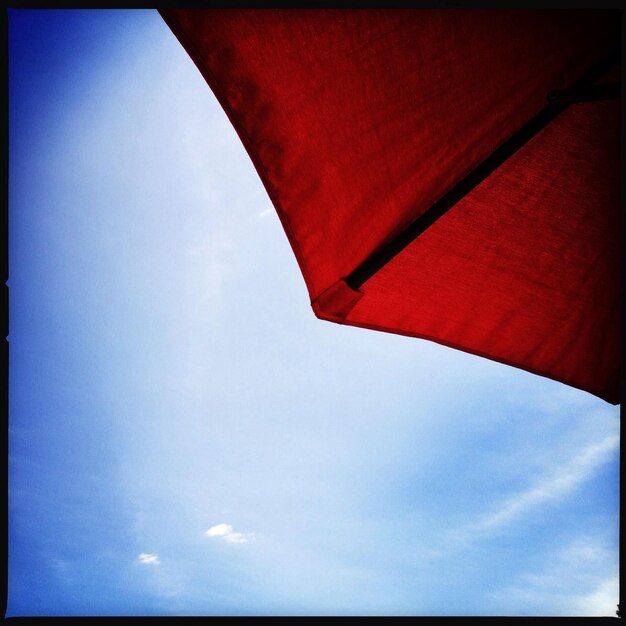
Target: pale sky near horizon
[[186, 438]]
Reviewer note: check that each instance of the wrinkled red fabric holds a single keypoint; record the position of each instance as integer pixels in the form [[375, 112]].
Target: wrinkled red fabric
[[359, 120]]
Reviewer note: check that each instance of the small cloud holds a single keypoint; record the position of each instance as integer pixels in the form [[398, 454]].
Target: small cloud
[[220, 530], [60, 565], [148, 559], [64, 570], [227, 534], [266, 212], [237, 537]]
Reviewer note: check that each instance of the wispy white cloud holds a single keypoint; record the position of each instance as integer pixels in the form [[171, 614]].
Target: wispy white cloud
[[578, 579], [148, 559], [265, 212], [64, 570], [602, 601], [226, 533], [561, 481]]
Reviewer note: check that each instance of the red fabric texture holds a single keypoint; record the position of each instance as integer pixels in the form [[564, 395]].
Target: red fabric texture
[[358, 120]]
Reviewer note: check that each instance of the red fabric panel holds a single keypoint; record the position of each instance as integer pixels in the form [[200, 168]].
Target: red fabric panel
[[357, 121], [525, 269]]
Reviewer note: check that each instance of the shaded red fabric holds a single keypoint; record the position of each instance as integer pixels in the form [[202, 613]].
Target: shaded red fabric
[[359, 120]]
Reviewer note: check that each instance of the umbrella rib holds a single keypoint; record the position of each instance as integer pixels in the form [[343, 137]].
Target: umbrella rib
[[602, 91], [521, 137]]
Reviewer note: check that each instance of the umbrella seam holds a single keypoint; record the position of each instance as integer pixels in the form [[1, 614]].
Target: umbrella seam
[[488, 166]]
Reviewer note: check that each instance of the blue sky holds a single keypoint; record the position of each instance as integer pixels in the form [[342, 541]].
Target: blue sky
[[186, 438]]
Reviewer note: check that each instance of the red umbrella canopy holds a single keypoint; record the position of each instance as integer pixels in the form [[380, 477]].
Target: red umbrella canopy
[[445, 174]]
